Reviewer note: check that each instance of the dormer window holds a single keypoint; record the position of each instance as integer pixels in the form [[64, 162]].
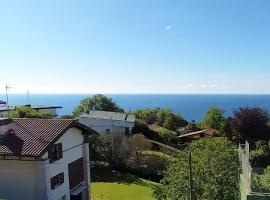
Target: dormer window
[[55, 152]]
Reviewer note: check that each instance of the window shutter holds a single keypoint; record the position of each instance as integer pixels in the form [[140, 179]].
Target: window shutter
[[50, 154], [59, 151]]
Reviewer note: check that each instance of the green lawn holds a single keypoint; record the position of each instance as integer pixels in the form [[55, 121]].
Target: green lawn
[[112, 185]]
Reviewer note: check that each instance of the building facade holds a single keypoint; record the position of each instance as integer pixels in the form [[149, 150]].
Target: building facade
[[108, 122], [44, 159], [4, 109]]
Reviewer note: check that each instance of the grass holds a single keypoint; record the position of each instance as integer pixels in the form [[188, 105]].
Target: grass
[[112, 185]]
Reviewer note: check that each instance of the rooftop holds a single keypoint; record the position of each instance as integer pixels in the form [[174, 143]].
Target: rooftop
[[2, 102], [205, 132], [94, 114], [5, 108], [31, 137]]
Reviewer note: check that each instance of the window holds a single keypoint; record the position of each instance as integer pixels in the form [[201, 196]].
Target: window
[[63, 198], [55, 152], [107, 131], [127, 130], [57, 180]]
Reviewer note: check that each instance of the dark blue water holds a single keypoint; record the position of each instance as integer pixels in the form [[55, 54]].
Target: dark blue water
[[191, 107]]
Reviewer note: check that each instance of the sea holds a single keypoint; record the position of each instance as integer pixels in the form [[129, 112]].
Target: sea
[[190, 106]]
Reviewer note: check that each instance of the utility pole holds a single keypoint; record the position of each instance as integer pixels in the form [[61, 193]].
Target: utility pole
[[190, 175], [7, 88]]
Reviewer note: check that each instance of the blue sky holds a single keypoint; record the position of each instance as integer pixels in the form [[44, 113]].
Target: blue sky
[[139, 46]]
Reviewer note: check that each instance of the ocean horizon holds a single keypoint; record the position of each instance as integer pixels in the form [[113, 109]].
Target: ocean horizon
[[190, 106]]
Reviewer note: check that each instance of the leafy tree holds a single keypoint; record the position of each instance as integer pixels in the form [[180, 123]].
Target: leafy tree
[[191, 127], [215, 171], [67, 117], [147, 115], [138, 143], [28, 112], [251, 124], [214, 118], [97, 102], [226, 129], [264, 180], [115, 148], [163, 117], [260, 156], [167, 136]]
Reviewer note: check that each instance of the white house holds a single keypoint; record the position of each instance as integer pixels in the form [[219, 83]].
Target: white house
[[4, 109], [44, 159], [108, 122]]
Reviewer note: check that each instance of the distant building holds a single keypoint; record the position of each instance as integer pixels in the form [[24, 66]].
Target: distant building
[[108, 122], [44, 108], [2, 103], [199, 134], [44, 159]]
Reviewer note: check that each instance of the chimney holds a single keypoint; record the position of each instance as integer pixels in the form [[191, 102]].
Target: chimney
[[5, 128]]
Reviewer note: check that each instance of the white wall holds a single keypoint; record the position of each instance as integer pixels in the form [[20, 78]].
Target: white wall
[[72, 142], [18, 180], [100, 125]]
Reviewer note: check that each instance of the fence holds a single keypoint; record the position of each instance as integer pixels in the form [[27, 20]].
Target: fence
[[246, 176]]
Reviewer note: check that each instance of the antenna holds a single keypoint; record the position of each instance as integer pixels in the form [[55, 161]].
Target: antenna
[[27, 96], [7, 89]]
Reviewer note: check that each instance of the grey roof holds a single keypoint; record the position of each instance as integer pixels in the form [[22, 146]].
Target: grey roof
[[94, 114]]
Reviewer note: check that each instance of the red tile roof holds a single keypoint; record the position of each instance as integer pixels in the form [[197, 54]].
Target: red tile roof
[[31, 137]]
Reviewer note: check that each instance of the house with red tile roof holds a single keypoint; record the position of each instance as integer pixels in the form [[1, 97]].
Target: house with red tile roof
[[44, 159], [199, 134]]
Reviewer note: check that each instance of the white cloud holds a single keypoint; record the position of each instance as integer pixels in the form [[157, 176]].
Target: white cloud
[[208, 86], [168, 28]]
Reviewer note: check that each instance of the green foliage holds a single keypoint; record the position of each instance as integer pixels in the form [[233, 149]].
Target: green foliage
[[166, 136], [226, 129], [260, 156], [214, 118], [115, 148], [67, 117], [215, 172], [28, 112], [138, 143], [191, 127], [163, 117], [263, 181], [152, 162], [97, 102]]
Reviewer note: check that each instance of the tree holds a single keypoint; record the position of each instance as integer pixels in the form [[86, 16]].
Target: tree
[[116, 148], [67, 116], [163, 117], [97, 102], [191, 127], [147, 115], [215, 171], [226, 129], [28, 112], [138, 143], [251, 124], [214, 118]]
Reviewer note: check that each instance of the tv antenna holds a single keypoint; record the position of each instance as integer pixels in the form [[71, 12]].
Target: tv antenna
[[27, 96], [7, 90]]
